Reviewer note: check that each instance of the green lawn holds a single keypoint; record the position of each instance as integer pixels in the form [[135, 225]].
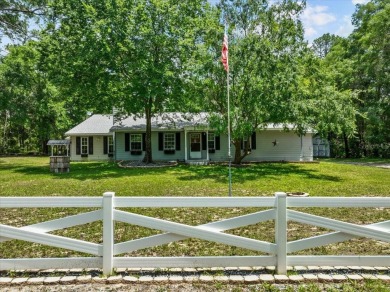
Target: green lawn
[[24, 176]]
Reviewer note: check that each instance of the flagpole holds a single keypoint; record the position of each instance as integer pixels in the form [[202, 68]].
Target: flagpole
[[229, 143], [228, 107], [225, 62]]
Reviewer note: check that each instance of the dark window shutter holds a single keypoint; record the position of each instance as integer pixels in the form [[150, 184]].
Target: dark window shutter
[[242, 144], [178, 141], [105, 144], [204, 141], [253, 140], [78, 145], [90, 145], [143, 141], [217, 142], [127, 142], [161, 141]]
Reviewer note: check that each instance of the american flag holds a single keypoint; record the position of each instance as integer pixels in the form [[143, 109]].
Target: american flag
[[225, 59]]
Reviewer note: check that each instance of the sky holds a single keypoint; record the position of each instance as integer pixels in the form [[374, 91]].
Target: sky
[[328, 16]]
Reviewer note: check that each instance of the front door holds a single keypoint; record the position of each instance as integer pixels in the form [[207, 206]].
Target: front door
[[195, 152]]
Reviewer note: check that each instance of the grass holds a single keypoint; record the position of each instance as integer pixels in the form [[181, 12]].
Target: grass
[[25, 176], [376, 286]]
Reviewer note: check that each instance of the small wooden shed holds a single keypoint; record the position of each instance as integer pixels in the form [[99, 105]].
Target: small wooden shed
[[60, 158]]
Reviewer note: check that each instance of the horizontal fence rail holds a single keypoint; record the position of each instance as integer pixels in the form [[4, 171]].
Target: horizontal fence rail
[[105, 254]]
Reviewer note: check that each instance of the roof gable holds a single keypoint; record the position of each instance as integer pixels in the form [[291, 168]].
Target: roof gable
[[95, 124]]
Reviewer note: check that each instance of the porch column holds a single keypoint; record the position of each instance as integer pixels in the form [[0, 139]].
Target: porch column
[[185, 145], [207, 145], [301, 155]]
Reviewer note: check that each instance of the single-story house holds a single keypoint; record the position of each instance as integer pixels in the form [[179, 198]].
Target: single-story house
[[92, 139], [179, 136]]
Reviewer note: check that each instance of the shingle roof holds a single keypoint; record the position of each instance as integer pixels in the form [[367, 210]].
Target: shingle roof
[[163, 121], [95, 124], [103, 124]]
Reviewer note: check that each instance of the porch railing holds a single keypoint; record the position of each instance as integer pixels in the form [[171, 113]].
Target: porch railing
[[104, 255]]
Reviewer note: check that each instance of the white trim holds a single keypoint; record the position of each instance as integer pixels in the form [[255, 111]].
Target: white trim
[[173, 141], [207, 145], [196, 154], [185, 145], [108, 144], [132, 135], [81, 145]]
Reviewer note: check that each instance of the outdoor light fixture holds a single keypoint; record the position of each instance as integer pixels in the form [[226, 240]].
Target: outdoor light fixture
[[275, 142]]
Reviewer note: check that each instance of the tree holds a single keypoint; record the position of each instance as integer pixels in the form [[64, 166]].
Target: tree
[[264, 45], [359, 64], [130, 54], [322, 106], [30, 110], [322, 45], [371, 41], [15, 14], [274, 77]]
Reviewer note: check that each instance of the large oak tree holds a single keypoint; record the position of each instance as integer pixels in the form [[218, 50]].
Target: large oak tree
[[133, 55]]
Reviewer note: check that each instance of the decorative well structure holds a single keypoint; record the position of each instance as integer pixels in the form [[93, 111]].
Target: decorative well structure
[[60, 158]]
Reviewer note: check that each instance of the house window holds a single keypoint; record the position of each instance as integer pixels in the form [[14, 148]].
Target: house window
[[246, 143], [136, 142], [84, 145], [211, 141], [110, 144], [169, 141]]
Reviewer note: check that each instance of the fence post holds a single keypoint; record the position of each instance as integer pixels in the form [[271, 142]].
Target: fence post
[[281, 232], [108, 232]]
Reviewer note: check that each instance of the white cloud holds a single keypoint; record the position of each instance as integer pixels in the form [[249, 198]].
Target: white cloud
[[346, 27], [354, 2], [310, 32], [317, 15]]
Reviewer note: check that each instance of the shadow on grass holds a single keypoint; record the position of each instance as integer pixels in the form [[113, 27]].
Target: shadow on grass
[[86, 171], [218, 173], [255, 172]]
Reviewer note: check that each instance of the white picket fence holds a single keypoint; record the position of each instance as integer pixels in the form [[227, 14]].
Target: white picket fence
[[105, 254]]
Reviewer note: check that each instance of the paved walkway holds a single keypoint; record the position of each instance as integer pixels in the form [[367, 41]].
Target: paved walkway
[[52, 280]]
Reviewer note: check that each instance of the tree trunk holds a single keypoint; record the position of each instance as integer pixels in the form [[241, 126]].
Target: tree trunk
[[237, 152], [239, 155], [4, 140], [346, 146], [44, 147], [362, 141], [148, 137]]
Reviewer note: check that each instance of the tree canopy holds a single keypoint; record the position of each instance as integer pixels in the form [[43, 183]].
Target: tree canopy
[[145, 57], [274, 77], [132, 55], [360, 64]]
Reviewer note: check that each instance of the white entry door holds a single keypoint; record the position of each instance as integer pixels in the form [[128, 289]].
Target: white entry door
[[195, 151]]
